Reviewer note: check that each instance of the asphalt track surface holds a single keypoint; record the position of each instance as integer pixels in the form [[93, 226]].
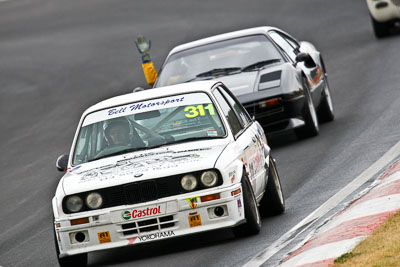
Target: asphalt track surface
[[59, 57]]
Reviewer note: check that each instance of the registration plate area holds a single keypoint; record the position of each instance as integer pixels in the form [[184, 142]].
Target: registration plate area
[[138, 213]]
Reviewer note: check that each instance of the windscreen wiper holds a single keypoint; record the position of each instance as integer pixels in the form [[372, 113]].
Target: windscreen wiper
[[215, 73], [260, 64], [218, 71], [186, 140], [117, 153]]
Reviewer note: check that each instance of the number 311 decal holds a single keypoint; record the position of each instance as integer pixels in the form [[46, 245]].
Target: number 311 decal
[[199, 110]]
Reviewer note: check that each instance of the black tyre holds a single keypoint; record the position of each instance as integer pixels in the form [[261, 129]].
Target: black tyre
[[251, 213], [75, 260], [325, 111], [311, 127], [273, 201], [381, 29]]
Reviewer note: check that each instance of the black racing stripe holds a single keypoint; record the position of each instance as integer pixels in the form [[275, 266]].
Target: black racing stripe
[[272, 76]]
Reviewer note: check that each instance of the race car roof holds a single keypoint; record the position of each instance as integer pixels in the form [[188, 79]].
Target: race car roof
[[152, 93], [221, 37]]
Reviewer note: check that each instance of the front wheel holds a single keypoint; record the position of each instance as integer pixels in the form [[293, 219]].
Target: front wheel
[[273, 201], [251, 213], [75, 260], [311, 127], [381, 29], [325, 112]]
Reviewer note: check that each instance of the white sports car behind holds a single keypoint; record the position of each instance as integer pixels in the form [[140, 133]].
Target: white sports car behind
[[385, 14], [159, 164]]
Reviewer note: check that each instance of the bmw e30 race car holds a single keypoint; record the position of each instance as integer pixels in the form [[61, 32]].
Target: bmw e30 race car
[[280, 81], [160, 164]]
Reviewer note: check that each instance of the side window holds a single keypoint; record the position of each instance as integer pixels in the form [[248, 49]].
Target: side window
[[81, 147], [292, 42], [228, 113], [288, 48], [237, 107], [89, 143]]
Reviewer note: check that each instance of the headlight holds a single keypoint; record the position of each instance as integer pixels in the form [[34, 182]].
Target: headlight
[[94, 200], [209, 178], [74, 203], [189, 182]]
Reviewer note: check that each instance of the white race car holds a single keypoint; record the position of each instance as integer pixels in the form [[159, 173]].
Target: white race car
[[159, 164], [384, 15]]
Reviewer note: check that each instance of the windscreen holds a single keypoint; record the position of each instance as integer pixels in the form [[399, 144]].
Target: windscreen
[[229, 57], [147, 124]]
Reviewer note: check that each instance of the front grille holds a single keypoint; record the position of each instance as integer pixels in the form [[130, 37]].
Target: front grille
[[255, 110], [396, 2], [149, 225], [140, 192]]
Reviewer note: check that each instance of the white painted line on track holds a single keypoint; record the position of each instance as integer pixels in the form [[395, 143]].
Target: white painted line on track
[[330, 250], [392, 178], [369, 208], [284, 240]]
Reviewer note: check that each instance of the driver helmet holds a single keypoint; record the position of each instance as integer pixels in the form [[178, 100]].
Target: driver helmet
[[109, 124]]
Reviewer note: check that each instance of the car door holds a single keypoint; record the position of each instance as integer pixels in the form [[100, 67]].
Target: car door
[[247, 138], [291, 49]]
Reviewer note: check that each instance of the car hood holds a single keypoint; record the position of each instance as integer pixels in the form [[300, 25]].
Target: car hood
[[245, 85], [242, 83], [143, 165]]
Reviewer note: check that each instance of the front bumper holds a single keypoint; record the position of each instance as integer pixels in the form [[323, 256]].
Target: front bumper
[[281, 115], [132, 224]]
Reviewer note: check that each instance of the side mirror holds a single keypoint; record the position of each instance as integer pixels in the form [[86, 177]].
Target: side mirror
[[62, 163], [307, 59], [302, 57]]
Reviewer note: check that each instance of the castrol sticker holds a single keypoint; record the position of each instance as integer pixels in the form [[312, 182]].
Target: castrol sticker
[[143, 212]]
